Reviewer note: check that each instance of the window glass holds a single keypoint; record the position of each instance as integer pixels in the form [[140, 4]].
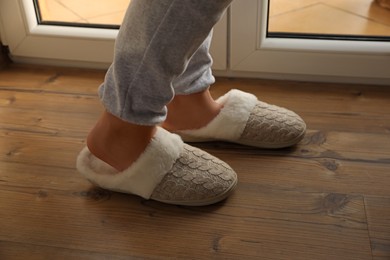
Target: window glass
[[330, 18], [87, 13]]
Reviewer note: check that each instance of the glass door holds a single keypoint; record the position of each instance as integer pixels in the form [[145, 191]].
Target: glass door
[[84, 13], [77, 33], [332, 40], [331, 19]]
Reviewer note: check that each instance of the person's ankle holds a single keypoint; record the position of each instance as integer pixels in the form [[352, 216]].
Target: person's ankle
[[192, 111], [117, 142]]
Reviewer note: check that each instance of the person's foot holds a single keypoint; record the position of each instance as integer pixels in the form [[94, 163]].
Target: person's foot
[[191, 111], [167, 170], [118, 143], [236, 117]]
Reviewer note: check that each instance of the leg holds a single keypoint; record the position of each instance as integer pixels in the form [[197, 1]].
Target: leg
[[197, 76], [125, 150], [193, 107], [154, 46]]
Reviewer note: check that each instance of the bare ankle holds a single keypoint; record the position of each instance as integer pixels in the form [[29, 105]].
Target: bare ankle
[[118, 142], [191, 111]]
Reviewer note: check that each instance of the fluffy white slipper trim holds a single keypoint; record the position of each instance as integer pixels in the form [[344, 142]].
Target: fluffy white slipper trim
[[143, 175], [230, 123]]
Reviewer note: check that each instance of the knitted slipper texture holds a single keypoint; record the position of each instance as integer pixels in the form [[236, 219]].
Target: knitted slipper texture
[[196, 179], [270, 126]]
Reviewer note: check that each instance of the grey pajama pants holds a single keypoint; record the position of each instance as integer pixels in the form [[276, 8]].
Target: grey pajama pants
[[162, 49]]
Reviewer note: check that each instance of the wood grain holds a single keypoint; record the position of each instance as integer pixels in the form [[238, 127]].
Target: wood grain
[[326, 198]]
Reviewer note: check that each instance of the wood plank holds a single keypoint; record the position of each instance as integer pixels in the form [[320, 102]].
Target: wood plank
[[378, 217], [44, 101], [19, 175], [48, 122], [51, 114], [48, 79], [241, 228], [37, 149], [17, 251], [313, 175], [346, 145]]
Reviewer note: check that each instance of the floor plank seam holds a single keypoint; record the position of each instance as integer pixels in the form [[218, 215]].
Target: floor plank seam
[[45, 91], [368, 227]]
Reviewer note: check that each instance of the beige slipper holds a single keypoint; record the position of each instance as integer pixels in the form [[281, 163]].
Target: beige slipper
[[168, 171], [246, 120]]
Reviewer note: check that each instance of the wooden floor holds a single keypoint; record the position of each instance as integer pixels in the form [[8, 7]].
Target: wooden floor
[[327, 198]]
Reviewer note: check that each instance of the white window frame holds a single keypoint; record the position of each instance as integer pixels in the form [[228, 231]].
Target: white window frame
[[253, 54]]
